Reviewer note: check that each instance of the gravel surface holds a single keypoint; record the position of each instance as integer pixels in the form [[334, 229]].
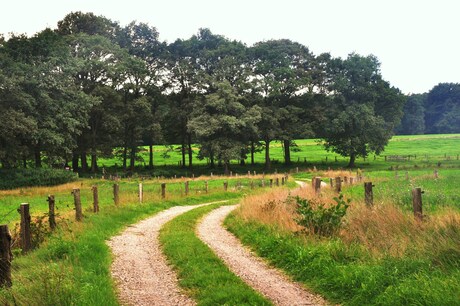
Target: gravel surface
[[270, 282], [140, 269]]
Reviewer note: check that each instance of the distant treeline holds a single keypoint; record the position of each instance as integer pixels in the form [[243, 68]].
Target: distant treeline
[[435, 112], [71, 94]]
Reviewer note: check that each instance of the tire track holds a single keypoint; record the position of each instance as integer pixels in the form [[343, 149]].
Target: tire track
[[270, 282]]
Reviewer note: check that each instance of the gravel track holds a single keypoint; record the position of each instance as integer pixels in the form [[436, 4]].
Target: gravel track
[[268, 281], [140, 269]]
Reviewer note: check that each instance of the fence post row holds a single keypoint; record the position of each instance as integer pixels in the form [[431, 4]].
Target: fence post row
[[26, 244], [186, 188], [141, 193], [338, 184], [51, 214], [417, 203], [317, 183], [77, 202], [163, 190], [368, 194], [116, 190], [95, 199], [5, 256]]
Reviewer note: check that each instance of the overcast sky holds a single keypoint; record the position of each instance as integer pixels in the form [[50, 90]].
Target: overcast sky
[[417, 42]]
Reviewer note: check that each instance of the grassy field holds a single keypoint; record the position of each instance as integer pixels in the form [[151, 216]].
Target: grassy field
[[380, 255], [72, 265], [425, 150]]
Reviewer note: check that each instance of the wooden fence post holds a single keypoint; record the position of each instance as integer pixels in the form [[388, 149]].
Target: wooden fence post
[[186, 188], [277, 181], [5, 256], [116, 191], [225, 186], [368, 194], [51, 214], [163, 190], [331, 182], [345, 179], [252, 184], [263, 183], [338, 184], [282, 180], [206, 186], [352, 180], [26, 244], [95, 199], [141, 193], [77, 202], [317, 184], [271, 183], [417, 203]]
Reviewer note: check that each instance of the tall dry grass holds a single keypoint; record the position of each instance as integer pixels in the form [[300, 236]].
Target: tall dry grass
[[383, 230]]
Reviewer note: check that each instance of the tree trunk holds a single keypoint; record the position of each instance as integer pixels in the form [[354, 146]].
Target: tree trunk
[[84, 162], [211, 159], [351, 163], [151, 157], [125, 157], [252, 152], [287, 152], [226, 167], [75, 159], [93, 162], [190, 156], [183, 153], [132, 159], [38, 157], [267, 155]]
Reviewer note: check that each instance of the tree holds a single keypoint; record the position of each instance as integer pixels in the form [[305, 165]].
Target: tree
[[59, 108], [363, 111], [220, 122], [281, 71], [441, 107], [413, 120]]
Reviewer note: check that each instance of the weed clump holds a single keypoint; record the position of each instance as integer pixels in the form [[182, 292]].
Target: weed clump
[[317, 218]]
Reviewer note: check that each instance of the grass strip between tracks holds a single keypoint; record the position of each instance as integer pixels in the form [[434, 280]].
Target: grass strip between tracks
[[202, 274]]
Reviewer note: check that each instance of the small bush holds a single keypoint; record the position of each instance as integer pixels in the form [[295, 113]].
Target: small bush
[[16, 178], [318, 219]]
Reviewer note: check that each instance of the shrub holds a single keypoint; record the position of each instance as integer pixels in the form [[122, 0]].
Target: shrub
[[318, 219], [16, 178]]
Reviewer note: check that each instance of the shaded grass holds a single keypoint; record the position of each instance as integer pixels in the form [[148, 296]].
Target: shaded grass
[[201, 272]]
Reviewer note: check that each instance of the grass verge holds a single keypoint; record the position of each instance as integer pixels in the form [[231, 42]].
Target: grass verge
[[73, 266], [348, 274], [201, 272]]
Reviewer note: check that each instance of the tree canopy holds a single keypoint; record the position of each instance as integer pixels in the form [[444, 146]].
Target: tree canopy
[[91, 87]]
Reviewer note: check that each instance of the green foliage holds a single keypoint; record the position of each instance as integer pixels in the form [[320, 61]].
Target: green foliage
[[364, 111], [319, 219], [16, 178]]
